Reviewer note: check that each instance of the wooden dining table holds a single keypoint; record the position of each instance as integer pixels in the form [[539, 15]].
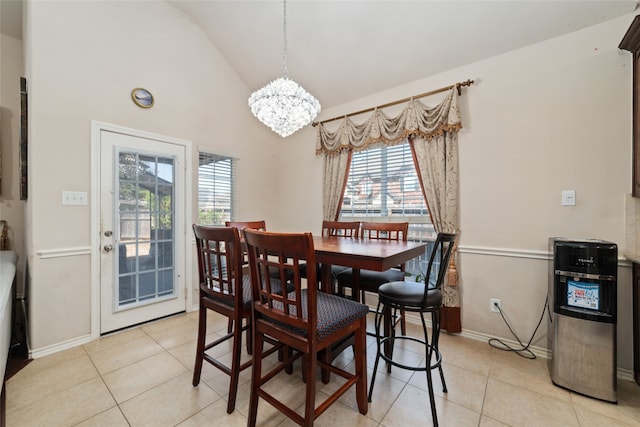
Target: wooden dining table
[[360, 254]]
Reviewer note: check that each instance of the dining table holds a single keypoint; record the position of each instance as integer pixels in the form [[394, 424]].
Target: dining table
[[361, 254]]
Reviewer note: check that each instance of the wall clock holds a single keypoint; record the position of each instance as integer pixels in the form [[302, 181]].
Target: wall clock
[[142, 97]]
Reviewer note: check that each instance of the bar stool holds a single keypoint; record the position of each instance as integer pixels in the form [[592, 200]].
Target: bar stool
[[417, 298]]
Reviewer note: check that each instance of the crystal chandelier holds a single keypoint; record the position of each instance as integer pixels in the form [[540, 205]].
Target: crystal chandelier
[[283, 104]]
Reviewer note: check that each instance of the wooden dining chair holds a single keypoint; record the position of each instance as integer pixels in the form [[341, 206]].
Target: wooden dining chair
[[226, 291], [241, 225], [305, 320], [341, 229], [418, 298]]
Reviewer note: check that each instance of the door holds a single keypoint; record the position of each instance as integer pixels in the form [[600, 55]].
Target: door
[[142, 231]]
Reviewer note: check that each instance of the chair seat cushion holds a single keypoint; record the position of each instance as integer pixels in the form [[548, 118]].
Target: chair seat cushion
[[334, 313], [409, 294], [371, 280]]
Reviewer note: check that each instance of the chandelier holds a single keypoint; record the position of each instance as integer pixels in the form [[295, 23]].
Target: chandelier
[[283, 104]]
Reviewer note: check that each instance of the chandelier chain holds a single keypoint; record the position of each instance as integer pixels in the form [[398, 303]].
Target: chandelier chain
[[285, 70]]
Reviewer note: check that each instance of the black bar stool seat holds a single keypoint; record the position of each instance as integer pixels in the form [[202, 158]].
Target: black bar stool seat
[[421, 298]]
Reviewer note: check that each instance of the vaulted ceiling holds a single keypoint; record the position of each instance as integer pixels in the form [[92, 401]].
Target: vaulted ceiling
[[343, 50]]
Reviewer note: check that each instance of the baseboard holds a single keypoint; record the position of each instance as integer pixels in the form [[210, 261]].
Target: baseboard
[[542, 352]]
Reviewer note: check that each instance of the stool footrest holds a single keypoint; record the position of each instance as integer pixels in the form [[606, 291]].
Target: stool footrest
[[431, 351]]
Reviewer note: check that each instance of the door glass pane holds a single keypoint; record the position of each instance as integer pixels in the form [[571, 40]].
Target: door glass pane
[[145, 250]]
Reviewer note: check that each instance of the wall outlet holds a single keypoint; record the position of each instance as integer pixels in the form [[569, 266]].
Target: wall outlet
[[495, 303]]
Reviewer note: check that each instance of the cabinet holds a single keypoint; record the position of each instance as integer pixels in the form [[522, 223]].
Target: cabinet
[[631, 42]]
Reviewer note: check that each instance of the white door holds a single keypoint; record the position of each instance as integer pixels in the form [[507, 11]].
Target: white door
[[142, 231]]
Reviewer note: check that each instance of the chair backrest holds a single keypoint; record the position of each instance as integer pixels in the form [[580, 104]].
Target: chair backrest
[[283, 253], [341, 228], [385, 230], [241, 225], [219, 263], [442, 250]]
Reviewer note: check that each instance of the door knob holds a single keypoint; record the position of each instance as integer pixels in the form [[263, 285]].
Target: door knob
[[108, 248], [108, 233]]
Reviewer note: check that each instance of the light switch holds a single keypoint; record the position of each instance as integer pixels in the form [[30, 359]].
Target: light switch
[[74, 197], [568, 197]]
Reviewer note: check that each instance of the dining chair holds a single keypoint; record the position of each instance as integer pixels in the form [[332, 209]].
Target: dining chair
[[225, 290], [241, 225], [341, 229], [419, 298], [361, 281], [305, 320]]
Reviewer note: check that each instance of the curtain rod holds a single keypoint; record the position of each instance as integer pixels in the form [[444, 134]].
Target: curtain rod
[[400, 101]]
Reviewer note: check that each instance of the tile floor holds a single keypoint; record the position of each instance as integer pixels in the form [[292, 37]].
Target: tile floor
[[142, 377]]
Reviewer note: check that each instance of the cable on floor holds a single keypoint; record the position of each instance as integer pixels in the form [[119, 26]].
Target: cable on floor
[[524, 350]]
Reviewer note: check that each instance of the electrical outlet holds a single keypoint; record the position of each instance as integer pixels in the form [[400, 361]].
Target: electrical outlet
[[495, 303]]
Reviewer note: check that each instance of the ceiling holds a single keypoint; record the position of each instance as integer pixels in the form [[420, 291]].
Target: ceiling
[[344, 50]]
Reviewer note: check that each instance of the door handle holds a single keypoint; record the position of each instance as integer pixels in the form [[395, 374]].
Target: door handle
[[108, 248]]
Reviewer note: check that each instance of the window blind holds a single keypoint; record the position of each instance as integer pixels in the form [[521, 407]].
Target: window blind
[[216, 189]]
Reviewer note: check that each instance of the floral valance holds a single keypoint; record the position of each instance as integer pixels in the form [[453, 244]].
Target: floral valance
[[416, 119]]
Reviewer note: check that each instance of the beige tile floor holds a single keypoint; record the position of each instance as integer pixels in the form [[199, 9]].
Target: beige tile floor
[[142, 377]]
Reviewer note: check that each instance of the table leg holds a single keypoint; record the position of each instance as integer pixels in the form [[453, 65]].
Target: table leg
[[326, 281], [355, 285]]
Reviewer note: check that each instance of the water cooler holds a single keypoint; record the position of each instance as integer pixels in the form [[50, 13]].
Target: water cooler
[[583, 316]]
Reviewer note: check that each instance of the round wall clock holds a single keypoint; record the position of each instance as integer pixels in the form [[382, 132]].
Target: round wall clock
[[142, 97]]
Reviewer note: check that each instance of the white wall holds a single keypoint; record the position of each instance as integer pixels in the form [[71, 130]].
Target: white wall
[[83, 59], [550, 117]]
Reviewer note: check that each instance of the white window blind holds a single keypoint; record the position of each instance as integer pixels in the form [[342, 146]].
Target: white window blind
[[383, 186], [216, 188], [383, 183]]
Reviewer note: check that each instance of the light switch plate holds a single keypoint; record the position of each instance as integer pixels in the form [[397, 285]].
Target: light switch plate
[[568, 197], [74, 197]]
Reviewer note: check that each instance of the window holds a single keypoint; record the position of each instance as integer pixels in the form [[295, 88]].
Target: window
[[383, 186], [216, 187]]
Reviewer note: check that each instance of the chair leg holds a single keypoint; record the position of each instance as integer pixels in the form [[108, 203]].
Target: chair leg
[[248, 336], [235, 366], [202, 332], [310, 394], [435, 325], [429, 353], [256, 378], [378, 320], [360, 352]]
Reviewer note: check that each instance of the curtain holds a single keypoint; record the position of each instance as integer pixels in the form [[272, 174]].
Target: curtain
[[433, 134], [336, 170], [416, 119], [436, 163]]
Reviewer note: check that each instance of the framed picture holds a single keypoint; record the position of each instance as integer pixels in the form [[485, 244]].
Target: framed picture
[[142, 98], [23, 140]]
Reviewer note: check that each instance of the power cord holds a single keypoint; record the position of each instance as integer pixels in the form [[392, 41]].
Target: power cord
[[524, 350]]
